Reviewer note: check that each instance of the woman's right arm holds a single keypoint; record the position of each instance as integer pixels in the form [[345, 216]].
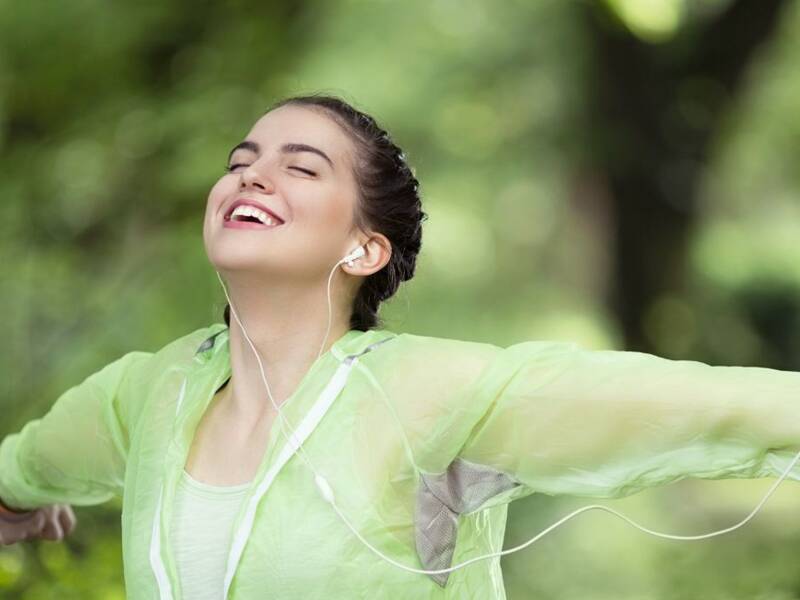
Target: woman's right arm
[[76, 453]]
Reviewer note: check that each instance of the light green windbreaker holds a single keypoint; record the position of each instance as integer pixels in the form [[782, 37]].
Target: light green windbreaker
[[423, 440]]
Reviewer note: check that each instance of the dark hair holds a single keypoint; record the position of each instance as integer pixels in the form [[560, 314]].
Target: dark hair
[[388, 202]]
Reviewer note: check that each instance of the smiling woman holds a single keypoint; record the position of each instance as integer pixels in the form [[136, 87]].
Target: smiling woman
[[380, 465]]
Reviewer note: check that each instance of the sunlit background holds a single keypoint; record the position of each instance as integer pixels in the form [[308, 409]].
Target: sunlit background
[[625, 174]]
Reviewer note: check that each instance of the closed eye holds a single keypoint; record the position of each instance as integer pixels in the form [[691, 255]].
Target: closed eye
[[303, 170], [233, 166]]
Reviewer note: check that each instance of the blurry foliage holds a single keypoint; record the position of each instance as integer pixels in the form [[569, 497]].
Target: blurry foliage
[[115, 121]]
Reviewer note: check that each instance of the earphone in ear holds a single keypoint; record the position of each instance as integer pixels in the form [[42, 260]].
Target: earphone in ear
[[354, 255]]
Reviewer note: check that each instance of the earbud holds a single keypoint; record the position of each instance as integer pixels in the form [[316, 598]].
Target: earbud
[[354, 255]]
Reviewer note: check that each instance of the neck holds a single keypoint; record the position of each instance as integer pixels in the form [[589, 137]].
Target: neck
[[287, 326]]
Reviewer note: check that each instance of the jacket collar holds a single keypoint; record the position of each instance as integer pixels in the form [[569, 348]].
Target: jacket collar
[[352, 343]]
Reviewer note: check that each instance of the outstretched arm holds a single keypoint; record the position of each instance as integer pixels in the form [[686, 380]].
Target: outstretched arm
[[76, 453], [562, 419]]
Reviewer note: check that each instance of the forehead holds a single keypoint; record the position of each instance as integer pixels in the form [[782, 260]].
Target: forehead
[[297, 124]]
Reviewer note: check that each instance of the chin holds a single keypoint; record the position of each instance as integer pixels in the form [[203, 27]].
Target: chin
[[245, 260]]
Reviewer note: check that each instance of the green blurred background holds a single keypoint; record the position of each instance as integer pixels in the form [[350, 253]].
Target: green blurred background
[[622, 173]]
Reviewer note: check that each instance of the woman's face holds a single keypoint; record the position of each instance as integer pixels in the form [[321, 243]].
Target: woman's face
[[313, 197]]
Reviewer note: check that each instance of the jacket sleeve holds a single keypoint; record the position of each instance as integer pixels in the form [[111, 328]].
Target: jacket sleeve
[[562, 419], [76, 453]]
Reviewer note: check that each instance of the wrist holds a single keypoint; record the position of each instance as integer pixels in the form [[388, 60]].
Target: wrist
[[7, 510]]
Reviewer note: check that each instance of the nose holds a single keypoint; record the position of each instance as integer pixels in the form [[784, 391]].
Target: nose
[[253, 178]]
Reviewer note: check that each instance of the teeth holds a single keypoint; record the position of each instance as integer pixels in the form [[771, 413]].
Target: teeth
[[244, 210]]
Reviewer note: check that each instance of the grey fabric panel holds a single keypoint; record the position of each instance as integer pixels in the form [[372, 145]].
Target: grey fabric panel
[[208, 343], [441, 498], [348, 359]]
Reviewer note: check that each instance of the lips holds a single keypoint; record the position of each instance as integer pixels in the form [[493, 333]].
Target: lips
[[254, 203], [233, 224]]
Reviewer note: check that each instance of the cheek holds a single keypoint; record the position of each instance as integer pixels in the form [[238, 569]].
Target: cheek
[[221, 188], [328, 212], [214, 201], [216, 196]]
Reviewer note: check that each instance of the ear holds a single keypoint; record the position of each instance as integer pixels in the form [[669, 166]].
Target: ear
[[378, 251]]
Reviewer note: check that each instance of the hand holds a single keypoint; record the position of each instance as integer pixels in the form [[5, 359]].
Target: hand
[[59, 521], [52, 522]]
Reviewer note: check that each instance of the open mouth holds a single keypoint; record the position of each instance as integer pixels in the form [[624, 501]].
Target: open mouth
[[245, 215]]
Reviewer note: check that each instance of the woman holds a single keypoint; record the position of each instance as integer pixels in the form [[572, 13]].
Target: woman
[[412, 444]]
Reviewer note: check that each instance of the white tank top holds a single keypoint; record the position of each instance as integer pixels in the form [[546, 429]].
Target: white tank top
[[201, 532]]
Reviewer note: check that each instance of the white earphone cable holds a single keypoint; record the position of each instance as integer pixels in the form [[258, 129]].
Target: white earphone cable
[[327, 492], [283, 420]]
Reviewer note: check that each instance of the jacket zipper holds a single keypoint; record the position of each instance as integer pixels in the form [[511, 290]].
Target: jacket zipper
[[331, 391]]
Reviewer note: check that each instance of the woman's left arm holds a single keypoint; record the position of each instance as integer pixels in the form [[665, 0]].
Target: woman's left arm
[[562, 419]]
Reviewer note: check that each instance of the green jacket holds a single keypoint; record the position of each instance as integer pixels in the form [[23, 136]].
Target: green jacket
[[424, 441]]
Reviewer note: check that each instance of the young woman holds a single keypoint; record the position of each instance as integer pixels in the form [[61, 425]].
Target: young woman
[[302, 450]]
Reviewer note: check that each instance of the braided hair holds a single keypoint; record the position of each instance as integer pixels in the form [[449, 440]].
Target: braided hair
[[388, 202]]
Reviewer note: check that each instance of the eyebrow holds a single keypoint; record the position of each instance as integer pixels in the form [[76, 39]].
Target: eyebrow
[[286, 149]]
